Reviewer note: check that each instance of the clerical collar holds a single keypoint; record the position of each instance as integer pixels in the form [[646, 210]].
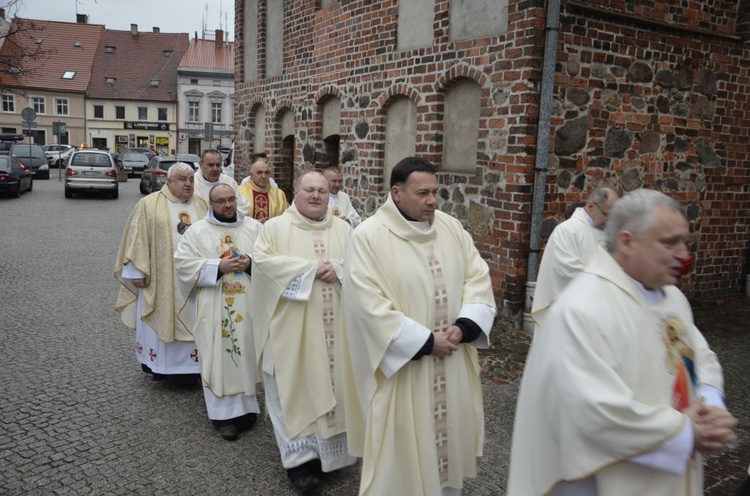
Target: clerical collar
[[651, 296], [423, 226], [588, 218]]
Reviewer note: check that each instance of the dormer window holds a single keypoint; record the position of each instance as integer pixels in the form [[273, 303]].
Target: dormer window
[[168, 53], [38, 41], [154, 82], [77, 44], [109, 49], [13, 70], [68, 75], [110, 80]]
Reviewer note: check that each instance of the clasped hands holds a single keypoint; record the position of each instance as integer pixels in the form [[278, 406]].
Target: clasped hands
[[326, 272], [713, 427], [240, 263], [447, 341]]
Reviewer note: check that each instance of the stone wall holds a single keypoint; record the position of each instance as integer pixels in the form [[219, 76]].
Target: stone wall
[[656, 104]]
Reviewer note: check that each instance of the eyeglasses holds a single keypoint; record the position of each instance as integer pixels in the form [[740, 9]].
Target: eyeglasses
[[605, 214], [224, 201]]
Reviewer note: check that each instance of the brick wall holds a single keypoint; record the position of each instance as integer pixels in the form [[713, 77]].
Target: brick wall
[[657, 106]]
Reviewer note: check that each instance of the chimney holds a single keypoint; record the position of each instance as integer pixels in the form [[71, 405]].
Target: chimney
[[134, 29], [82, 18], [156, 29], [219, 38], [196, 36]]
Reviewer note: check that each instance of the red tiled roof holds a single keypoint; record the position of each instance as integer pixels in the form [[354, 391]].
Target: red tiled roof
[[135, 62], [203, 54], [59, 54]]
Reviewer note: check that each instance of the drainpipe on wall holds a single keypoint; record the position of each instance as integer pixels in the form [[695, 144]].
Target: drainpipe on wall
[[542, 154]]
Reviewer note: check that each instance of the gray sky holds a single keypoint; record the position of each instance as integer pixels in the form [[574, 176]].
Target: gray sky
[[171, 16]]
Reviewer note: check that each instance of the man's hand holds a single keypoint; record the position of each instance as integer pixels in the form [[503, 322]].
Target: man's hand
[[713, 428], [140, 283], [442, 346], [326, 272], [234, 264], [454, 334]]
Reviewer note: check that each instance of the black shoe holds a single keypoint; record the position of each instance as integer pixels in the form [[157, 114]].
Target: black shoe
[[158, 377], [303, 477], [229, 432], [184, 379], [246, 422], [146, 368]]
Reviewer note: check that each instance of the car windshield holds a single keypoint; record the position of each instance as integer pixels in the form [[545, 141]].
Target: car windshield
[[135, 157], [4, 163], [90, 160], [166, 164], [188, 157], [22, 151]]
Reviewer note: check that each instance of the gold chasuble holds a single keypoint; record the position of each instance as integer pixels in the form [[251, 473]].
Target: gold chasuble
[[605, 380], [421, 429], [304, 337], [264, 203], [148, 245]]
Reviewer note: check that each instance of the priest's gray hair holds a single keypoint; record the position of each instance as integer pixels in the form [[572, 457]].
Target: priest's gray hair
[[635, 212], [179, 167]]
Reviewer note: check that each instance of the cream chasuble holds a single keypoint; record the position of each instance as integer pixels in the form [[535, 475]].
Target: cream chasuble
[[569, 248], [222, 324], [605, 377], [341, 206], [148, 244], [420, 429], [203, 188], [265, 203], [302, 336]]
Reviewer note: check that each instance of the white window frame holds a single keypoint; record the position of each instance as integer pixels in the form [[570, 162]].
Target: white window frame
[[62, 104], [166, 114], [93, 111], [194, 105], [39, 104], [144, 111], [9, 103], [216, 117], [124, 112]]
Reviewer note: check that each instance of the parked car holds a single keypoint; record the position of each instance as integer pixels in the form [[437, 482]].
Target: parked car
[[14, 178], [189, 158], [155, 176], [57, 154], [32, 157], [148, 152], [132, 162], [91, 170]]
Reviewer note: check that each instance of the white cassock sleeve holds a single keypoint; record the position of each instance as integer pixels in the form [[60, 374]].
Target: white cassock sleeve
[[209, 273], [408, 340], [130, 271], [300, 288], [482, 315]]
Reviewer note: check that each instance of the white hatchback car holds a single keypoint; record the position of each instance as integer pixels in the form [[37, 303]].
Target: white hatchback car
[[91, 170]]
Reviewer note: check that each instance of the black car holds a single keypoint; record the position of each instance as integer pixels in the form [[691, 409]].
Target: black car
[[155, 175], [32, 157], [14, 178]]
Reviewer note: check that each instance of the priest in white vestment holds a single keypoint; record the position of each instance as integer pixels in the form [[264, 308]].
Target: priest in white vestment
[[621, 394], [419, 303], [213, 265], [296, 294], [209, 175], [339, 202], [145, 269], [570, 247]]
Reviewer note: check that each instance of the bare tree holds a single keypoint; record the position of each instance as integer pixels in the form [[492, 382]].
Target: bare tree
[[20, 53]]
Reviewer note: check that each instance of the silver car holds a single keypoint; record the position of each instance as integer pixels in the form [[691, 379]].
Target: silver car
[[91, 170]]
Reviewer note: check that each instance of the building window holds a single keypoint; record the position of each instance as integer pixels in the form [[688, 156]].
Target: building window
[[68, 75], [9, 103], [194, 111], [162, 111], [216, 112], [61, 106], [38, 103], [98, 111], [193, 81], [119, 112], [142, 113], [461, 126]]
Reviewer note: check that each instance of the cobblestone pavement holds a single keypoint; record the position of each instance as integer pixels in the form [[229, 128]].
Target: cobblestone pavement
[[77, 416]]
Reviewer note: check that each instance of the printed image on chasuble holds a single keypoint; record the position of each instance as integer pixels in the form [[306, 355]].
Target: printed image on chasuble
[[680, 361], [260, 206], [184, 222], [230, 287]]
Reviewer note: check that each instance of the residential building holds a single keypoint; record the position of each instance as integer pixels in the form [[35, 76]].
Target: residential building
[[132, 97], [637, 94], [56, 59], [205, 85]]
